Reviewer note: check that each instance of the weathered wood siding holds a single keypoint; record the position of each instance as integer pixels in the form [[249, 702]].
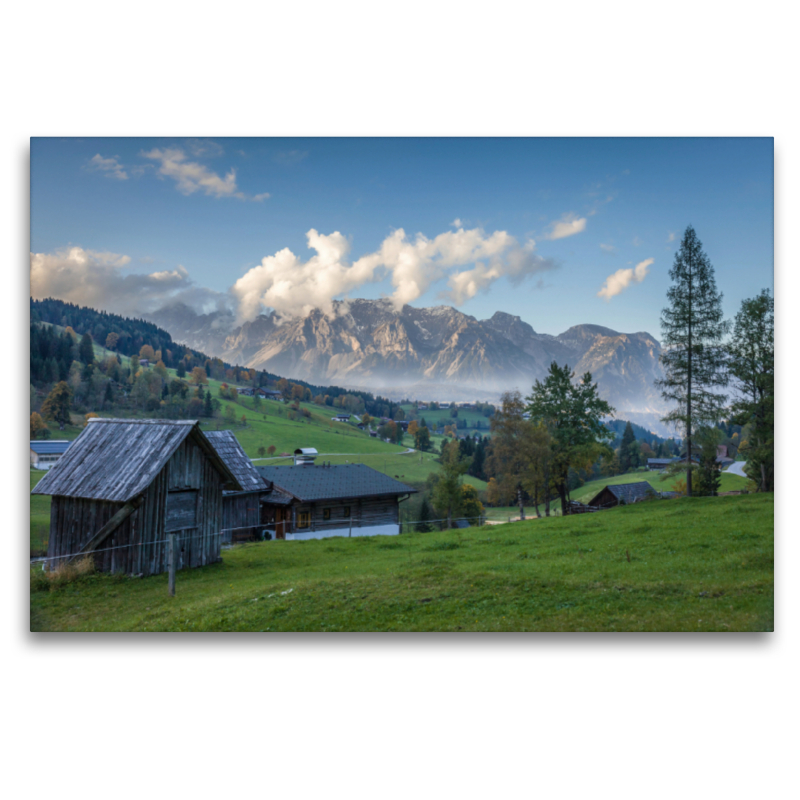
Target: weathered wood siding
[[364, 512], [138, 546], [240, 511]]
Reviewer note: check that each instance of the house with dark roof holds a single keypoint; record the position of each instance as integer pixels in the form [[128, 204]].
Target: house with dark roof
[[623, 494], [314, 502], [124, 484], [45, 453], [241, 510], [341, 417]]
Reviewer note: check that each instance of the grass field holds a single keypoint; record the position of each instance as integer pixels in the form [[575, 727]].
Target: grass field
[[443, 415], [40, 517], [701, 564]]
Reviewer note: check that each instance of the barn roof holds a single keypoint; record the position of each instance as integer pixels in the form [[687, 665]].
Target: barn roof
[[50, 447], [230, 451], [626, 492], [117, 459], [339, 482]]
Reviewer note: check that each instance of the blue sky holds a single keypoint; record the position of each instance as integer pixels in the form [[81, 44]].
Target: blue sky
[[127, 224]]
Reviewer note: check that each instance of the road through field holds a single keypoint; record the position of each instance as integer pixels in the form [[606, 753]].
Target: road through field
[[737, 468]]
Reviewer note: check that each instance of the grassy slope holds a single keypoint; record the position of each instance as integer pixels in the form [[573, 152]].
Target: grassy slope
[[40, 515], [695, 565]]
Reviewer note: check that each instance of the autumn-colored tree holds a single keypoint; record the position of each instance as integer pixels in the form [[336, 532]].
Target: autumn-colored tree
[[198, 376], [161, 370], [471, 507], [37, 425], [413, 427], [57, 404], [243, 420], [271, 450], [111, 341], [283, 386], [146, 351]]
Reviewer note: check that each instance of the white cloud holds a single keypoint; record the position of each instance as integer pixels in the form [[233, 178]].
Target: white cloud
[[290, 286], [111, 167], [192, 176], [456, 223], [622, 278], [98, 279], [608, 248], [568, 225], [671, 237]]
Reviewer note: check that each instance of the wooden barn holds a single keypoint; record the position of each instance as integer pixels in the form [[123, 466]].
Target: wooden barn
[[124, 484], [241, 511], [314, 502], [622, 494]]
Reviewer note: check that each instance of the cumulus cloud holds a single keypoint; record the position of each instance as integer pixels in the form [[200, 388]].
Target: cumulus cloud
[[191, 176], [110, 167], [292, 286], [568, 225], [100, 280], [623, 278]]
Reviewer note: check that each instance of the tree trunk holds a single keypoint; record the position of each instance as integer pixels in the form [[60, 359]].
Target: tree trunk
[[521, 506]]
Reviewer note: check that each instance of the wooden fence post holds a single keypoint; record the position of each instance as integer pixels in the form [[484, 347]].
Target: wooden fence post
[[172, 560]]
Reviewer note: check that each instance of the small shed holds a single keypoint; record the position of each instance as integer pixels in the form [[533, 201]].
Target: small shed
[[241, 510], [623, 494], [45, 453], [124, 484], [341, 417], [314, 502]]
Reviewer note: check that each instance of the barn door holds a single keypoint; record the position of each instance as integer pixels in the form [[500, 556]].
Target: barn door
[[181, 511]]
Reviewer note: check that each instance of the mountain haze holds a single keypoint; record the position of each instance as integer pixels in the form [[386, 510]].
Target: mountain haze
[[437, 353]]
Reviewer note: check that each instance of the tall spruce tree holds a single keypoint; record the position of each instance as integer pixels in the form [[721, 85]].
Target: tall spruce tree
[[752, 368], [628, 438], [693, 357]]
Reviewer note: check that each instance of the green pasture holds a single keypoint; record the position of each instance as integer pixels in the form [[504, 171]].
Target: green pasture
[[700, 564]]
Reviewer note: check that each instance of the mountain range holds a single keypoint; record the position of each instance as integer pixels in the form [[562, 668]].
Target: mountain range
[[427, 353]]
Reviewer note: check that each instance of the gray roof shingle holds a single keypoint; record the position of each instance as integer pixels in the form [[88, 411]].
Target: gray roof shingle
[[230, 451], [339, 482], [117, 459], [631, 492]]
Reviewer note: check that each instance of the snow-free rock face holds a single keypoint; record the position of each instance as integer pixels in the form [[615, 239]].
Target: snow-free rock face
[[367, 344]]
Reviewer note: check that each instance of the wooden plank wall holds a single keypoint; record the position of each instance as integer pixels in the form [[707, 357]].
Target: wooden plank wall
[[240, 510], [73, 521], [364, 512]]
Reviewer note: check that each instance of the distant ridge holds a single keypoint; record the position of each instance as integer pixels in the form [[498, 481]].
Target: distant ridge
[[427, 352]]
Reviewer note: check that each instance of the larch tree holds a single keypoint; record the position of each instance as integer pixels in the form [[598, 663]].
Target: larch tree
[[693, 355], [752, 369], [57, 404]]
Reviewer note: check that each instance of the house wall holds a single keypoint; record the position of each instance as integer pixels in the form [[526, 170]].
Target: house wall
[[240, 510], [73, 521]]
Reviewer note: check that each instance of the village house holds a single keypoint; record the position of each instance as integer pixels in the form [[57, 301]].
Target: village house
[[341, 417], [45, 453], [124, 484], [315, 502], [270, 394], [623, 494], [241, 510]]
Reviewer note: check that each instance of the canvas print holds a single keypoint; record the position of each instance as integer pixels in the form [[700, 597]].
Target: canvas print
[[399, 384]]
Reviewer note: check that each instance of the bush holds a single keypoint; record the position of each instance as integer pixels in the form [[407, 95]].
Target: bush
[[62, 575]]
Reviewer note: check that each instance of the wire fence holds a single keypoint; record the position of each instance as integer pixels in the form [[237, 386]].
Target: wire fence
[[267, 532]]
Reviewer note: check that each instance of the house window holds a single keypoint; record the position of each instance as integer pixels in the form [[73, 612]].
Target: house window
[[346, 512], [303, 519], [326, 513]]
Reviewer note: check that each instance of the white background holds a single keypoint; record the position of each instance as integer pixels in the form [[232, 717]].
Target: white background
[[639, 716]]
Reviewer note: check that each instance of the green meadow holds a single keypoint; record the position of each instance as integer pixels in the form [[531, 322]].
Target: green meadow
[[700, 564]]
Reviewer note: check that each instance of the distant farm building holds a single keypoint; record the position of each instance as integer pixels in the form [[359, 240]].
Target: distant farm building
[[124, 484], [315, 502], [341, 417], [241, 510], [270, 394], [305, 456], [659, 464], [46, 453], [623, 494]]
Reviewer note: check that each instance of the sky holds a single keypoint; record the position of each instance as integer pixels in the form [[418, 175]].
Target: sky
[[558, 231]]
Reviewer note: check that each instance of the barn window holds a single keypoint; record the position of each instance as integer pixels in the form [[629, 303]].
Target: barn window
[[303, 519], [346, 511], [326, 513]]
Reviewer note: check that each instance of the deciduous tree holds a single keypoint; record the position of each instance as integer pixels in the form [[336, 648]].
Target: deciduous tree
[[57, 404], [752, 368]]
